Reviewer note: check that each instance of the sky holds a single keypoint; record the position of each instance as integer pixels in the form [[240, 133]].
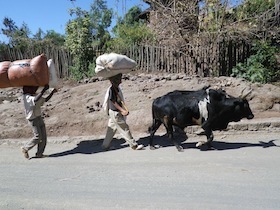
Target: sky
[[53, 14]]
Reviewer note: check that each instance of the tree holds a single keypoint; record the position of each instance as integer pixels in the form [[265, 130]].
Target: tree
[[18, 36], [10, 27], [131, 17], [252, 8], [101, 18], [130, 30], [39, 35], [261, 66], [3, 47], [55, 39], [87, 33], [78, 40], [213, 16], [174, 21]]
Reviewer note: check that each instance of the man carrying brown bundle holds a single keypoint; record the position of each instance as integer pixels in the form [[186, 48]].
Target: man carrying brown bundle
[[32, 105]]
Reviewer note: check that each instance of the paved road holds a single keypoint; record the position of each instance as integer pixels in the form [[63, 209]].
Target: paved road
[[243, 172]]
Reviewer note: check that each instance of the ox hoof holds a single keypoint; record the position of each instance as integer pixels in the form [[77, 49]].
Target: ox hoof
[[152, 148], [180, 148], [199, 144]]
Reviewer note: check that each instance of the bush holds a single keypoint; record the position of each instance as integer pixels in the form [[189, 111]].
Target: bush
[[261, 66], [80, 70]]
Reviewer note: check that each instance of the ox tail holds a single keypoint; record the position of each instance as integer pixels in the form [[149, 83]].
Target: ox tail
[[150, 129], [153, 128], [155, 124]]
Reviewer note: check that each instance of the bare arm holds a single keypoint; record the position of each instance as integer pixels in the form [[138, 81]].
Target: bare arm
[[51, 94], [41, 94], [121, 109]]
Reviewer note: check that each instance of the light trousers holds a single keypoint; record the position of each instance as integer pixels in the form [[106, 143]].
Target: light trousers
[[117, 123], [40, 136]]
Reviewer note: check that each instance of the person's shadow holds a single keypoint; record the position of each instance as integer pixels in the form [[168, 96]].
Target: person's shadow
[[88, 147]]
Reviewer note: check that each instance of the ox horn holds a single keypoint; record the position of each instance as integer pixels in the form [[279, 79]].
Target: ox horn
[[244, 96]]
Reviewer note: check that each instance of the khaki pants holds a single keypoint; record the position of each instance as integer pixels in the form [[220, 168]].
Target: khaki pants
[[117, 123], [40, 136]]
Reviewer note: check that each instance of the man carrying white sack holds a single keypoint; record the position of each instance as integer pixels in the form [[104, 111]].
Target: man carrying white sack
[[117, 111]]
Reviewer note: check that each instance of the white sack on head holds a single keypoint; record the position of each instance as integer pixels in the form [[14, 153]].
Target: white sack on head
[[108, 65], [53, 82]]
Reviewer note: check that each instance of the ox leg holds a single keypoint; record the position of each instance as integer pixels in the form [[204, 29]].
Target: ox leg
[[210, 137], [152, 131], [169, 129]]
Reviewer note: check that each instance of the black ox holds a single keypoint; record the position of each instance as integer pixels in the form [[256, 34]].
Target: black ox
[[209, 108]]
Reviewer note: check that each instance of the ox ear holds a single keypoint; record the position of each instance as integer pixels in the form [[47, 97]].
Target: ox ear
[[217, 94], [237, 105]]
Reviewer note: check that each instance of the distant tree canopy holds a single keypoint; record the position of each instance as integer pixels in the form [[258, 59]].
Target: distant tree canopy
[[89, 32], [130, 30], [20, 37], [184, 20], [85, 34], [174, 24], [252, 8]]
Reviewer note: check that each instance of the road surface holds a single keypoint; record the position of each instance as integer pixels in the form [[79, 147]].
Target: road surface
[[243, 172]]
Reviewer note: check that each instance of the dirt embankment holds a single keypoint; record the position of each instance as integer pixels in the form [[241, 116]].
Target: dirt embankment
[[76, 109]]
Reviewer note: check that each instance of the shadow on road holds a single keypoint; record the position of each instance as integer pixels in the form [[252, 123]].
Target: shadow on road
[[94, 146], [219, 145], [164, 141], [88, 147]]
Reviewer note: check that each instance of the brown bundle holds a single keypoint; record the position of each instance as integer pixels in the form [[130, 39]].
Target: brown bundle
[[4, 80], [29, 72]]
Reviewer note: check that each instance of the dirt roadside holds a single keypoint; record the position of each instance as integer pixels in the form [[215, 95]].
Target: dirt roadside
[[76, 109]]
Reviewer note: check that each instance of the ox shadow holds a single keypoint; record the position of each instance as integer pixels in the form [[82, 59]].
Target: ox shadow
[[221, 145], [163, 140], [89, 147]]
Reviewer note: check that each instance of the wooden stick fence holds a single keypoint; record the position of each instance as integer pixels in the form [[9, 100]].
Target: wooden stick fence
[[62, 58], [215, 59]]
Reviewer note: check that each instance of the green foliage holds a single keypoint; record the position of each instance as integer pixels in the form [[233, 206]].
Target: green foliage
[[261, 66], [78, 36], [91, 68], [251, 8], [54, 38], [87, 33], [101, 18], [130, 30], [39, 35], [131, 16], [9, 27], [19, 37], [2, 50], [214, 15], [129, 35]]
